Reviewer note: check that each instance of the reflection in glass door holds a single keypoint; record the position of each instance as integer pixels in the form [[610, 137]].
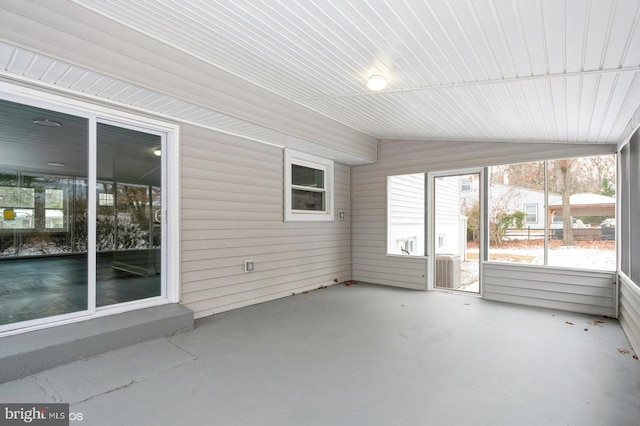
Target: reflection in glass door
[[456, 235], [128, 216], [43, 214]]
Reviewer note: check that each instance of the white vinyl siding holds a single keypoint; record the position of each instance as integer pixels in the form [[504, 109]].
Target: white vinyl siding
[[568, 290], [450, 236], [232, 210], [629, 314], [405, 234], [369, 199]]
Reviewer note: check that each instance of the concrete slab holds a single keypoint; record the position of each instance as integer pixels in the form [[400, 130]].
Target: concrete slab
[[32, 388], [29, 353], [367, 355], [124, 367]]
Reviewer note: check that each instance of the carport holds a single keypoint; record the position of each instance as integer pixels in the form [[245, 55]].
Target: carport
[[587, 204]]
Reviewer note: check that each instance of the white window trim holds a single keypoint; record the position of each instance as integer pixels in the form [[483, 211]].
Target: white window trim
[[308, 160], [527, 214]]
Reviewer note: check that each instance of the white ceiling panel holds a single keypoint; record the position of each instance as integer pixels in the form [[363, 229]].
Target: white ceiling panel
[[478, 70], [473, 70]]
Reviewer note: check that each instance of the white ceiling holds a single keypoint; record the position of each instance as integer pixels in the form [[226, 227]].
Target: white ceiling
[[527, 70], [477, 70]]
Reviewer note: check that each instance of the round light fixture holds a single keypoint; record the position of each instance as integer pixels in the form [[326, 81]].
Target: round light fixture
[[157, 152], [376, 82]]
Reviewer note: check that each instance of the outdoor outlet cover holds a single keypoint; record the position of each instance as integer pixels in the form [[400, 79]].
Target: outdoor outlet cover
[[248, 266]]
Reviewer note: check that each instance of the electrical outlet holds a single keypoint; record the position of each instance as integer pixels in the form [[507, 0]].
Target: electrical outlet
[[249, 266], [340, 214]]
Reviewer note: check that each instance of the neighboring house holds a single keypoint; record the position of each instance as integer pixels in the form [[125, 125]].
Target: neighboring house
[[450, 222], [509, 198]]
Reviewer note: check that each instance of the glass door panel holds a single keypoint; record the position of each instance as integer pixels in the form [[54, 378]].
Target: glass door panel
[[128, 221], [43, 213], [456, 233]]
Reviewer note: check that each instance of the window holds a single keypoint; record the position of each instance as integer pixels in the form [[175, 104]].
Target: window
[[105, 199], [405, 214], [465, 185], [54, 208], [407, 245], [17, 206], [531, 212], [308, 187]]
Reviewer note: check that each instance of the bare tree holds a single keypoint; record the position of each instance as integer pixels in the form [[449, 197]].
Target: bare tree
[[562, 169], [595, 174]]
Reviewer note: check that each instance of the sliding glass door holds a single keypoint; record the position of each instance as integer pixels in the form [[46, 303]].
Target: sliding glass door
[[43, 205], [128, 219], [66, 250]]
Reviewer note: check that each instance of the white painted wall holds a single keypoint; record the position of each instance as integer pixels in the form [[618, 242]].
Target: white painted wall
[[232, 210]]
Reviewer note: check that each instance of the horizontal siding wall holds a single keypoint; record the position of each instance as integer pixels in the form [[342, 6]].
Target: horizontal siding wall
[[232, 210], [369, 195], [629, 315], [568, 290], [369, 243]]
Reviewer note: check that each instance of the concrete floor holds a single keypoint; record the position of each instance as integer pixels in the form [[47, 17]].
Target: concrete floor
[[360, 355]]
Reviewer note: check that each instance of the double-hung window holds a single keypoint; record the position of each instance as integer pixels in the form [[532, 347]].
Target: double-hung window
[[308, 187], [531, 211]]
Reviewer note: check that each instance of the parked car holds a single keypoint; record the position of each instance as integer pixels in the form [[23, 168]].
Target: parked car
[[556, 223], [608, 227], [608, 223]]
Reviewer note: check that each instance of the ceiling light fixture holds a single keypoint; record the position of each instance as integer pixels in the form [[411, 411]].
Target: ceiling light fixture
[[56, 164], [376, 82], [45, 122], [157, 152]]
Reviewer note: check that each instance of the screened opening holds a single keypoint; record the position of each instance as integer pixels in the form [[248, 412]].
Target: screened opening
[[556, 213], [406, 215]]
